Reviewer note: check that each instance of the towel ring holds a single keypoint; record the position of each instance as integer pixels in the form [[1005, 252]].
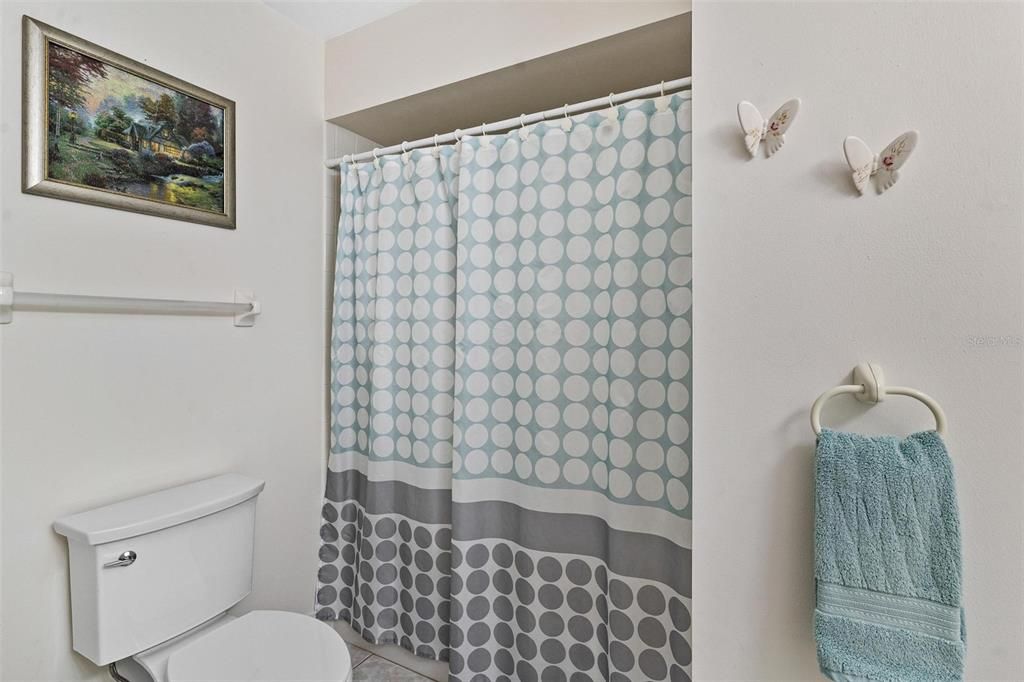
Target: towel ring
[[870, 388]]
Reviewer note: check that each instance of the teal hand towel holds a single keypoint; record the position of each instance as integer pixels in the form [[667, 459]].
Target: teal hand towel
[[887, 559]]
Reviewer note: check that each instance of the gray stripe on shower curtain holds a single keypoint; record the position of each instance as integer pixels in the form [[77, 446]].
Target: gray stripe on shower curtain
[[639, 555], [426, 506], [509, 480]]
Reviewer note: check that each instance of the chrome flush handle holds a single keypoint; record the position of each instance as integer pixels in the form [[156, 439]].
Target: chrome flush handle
[[126, 559]]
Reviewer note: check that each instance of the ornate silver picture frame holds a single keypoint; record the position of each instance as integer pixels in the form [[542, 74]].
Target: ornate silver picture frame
[[100, 128]]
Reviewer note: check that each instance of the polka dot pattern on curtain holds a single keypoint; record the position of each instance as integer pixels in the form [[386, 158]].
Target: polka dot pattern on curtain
[[509, 480]]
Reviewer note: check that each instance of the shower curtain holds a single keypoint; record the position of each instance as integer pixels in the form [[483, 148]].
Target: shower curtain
[[509, 474]]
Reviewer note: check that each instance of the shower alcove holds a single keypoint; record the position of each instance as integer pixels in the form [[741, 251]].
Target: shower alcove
[[377, 98]]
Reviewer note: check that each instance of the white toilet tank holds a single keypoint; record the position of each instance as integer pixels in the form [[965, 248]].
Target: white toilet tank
[[192, 550]]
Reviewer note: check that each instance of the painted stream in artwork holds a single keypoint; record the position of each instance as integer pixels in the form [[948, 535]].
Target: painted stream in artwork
[[170, 188]]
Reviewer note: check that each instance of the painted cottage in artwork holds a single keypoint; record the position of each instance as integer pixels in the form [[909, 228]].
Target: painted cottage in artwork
[[157, 138]]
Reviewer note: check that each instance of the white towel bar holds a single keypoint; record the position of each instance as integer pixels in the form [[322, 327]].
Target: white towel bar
[[243, 309]]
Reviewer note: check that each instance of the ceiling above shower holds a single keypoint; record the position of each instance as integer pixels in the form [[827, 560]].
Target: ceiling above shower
[[659, 51]]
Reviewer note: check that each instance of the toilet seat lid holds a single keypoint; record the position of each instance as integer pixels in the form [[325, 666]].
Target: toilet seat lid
[[264, 646]]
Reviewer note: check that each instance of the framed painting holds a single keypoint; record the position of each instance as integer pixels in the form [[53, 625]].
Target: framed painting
[[100, 128]]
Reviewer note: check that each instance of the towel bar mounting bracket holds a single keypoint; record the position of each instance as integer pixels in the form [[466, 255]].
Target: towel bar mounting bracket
[[6, 297], [246, 319], [870, 376]]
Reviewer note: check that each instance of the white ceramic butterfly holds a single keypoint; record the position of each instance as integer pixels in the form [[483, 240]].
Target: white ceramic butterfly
[[756, 128], [864, 163]]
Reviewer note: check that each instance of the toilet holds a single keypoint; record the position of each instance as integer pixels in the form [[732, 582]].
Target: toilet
[[152, 579]]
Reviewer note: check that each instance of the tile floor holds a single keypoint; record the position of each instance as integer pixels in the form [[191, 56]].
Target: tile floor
[[367, 667]]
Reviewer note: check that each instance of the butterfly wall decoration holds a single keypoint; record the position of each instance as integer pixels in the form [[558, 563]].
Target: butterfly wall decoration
[[884, 167], [772, 131]]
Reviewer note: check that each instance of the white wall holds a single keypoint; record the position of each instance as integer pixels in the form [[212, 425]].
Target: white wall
[[797, 279], [97, 408], [432, 44]]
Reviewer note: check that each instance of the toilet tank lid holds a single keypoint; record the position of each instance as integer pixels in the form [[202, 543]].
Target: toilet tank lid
[[159, 510]]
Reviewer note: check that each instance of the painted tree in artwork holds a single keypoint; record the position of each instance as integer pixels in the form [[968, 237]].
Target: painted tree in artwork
[[69, 74], [160, 110], [196, 122], [110, 124]]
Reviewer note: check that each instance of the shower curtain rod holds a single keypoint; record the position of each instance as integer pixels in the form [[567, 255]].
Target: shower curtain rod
[[510, 123]]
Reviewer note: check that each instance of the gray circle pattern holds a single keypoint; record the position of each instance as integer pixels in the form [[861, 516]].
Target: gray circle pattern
[[387, 576], [560, 617], [506, 612]]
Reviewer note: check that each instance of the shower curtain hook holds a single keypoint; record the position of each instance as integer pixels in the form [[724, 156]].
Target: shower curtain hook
[[524, 132], [613, 110], [376, 161], [405, 152], [483, 132], [437, 150], [566, 121], [661, 104]]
